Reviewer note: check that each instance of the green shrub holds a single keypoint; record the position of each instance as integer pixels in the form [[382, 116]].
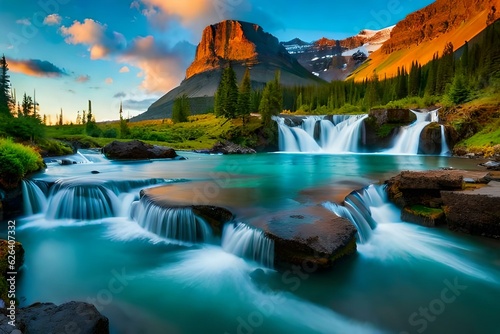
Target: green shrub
[[17, 160], [53, 147]]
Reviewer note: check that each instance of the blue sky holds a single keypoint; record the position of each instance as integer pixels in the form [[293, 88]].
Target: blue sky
[[135, 51]]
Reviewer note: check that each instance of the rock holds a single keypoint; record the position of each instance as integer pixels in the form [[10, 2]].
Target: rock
[[491, 165], [430, 139], [95, 172], [11, 202], [18, 253], [421, 215], [137, 149], [66, 162], [409, 188], [475, 212], [393, 116], [72, 317], [227, 147], [310, 237]]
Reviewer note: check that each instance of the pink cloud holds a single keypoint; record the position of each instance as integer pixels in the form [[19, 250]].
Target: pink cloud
[[95, 35], [52, 20]]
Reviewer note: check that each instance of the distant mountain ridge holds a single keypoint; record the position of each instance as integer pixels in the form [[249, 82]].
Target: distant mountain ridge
[[425, 32], [242, 45], [331, 59]]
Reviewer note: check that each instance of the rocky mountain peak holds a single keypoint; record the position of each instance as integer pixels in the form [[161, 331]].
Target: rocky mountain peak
[[231, 41]]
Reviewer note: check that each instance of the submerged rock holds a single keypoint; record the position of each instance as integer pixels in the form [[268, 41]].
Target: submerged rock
[[137, 149], [72, 317], [310, 237]]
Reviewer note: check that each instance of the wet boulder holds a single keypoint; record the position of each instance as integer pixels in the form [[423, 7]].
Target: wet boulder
[[311, 237], [72, 317], [136, 150]]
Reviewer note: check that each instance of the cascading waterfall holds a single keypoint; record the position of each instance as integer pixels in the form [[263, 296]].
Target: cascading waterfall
[[390, 238], [244, 241], [34, 200], [171, 223], [356, 208], [82, 201], [332, 134], [87, 199], [408, 139], [444, 145]]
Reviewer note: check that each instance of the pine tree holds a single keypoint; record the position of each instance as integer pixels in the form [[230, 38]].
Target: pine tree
[[78, 118], [226, 97], [124, 130], [271, 103], [61, 118], [372, 95], [459, 92], [27, 105], [5, 97], [414, 80], [84, 117], [181, 109], [445, 69], [91, 128], [244, 97]]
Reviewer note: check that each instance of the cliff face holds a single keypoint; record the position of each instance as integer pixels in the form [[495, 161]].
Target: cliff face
[[234, 41], [440, 17]]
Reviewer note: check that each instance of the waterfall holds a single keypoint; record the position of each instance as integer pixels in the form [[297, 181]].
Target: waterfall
[[249, 243], [337, 134], [356, 208], [82, 201], [444, 145], [34, 200], [171, 223], [408, 139]]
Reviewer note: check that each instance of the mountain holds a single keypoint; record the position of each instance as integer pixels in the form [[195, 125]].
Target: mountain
[[426, 32], [331, 59], [243, 45]]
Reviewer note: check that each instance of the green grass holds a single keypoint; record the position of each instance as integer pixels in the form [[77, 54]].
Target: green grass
[[486, 141], [424, 211], [200, 132], [16, 161]]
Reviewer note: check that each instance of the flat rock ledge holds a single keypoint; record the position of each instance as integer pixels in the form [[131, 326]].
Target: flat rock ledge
[[310, 237], [137, 150], [72, 317], [466, 201]]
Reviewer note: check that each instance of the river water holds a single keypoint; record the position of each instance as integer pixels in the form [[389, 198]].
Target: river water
[[404, 278]]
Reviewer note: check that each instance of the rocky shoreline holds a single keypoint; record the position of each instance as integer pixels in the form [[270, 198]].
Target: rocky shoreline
[[465, 201]]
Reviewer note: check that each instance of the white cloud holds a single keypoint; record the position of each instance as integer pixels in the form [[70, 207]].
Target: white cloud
[[108, 81], [24, 22]]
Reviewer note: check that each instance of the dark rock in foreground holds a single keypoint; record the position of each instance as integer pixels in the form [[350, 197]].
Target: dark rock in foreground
[[136, 149], [310, 237], [476, 211], [72, 317]]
